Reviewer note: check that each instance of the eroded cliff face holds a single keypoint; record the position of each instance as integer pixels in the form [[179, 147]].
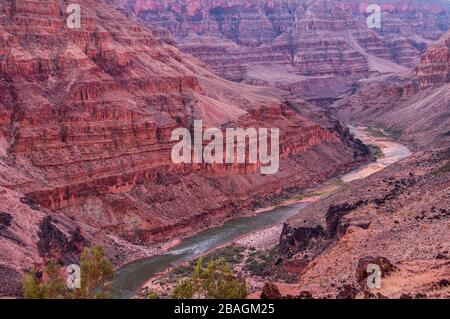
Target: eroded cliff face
[[86, 119], [434, 67], [413, 105], [316, 49], [398, 217]]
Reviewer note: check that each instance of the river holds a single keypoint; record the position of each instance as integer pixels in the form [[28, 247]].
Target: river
[[129, 278]]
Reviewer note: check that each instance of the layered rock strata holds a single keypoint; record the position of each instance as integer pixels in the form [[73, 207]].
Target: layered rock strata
[[85, 138], [414, 106], [397, 218], [323, 42]]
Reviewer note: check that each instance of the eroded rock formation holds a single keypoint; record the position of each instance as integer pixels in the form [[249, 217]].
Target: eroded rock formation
[[406, 226], [434, 67], [316, 49], [401, 213], [412, 105], [86, 120]]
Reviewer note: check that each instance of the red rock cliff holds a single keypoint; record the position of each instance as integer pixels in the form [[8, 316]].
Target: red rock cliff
[[86, 117], [315, 49]]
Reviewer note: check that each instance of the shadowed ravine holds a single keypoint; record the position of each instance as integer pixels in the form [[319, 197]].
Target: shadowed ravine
[[132, 276]]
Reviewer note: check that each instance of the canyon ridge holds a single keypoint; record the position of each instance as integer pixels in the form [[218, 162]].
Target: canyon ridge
[[86, 117]]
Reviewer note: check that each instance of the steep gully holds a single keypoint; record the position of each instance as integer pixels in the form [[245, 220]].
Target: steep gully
[[132, 276]]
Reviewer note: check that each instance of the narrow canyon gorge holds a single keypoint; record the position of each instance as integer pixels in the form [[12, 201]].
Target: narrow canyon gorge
[[87, 114]]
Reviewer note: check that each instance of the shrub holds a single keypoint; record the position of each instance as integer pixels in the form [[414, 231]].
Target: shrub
[[152, 295], [215, 281], [96, 271], [52, 285]]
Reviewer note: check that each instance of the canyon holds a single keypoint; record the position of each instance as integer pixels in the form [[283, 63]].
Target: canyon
[[415, 103], [86, 119], [315, 49], [399, 216]]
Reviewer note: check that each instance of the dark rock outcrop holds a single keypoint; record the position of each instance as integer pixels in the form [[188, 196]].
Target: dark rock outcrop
[[347, 292], [305, 295], [54, 244], [5, 220], [334, 216], [270, 291], [299, 237], [386, 268]]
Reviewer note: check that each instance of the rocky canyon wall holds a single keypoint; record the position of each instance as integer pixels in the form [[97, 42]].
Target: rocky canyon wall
[[397, 217], [297, 44], [86, 120], [414, 105]]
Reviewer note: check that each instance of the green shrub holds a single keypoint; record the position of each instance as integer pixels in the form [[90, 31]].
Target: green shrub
[[215, 281], [96, 271], [184, 289], [152, 295], [52, 286]]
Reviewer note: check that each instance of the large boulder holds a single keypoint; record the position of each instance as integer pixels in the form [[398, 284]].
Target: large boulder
[[270, 291]]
